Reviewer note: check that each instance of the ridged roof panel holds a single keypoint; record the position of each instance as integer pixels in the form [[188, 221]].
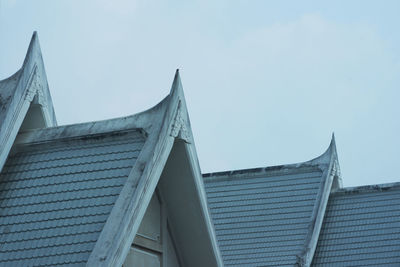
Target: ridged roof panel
[[361, 228], [262, 216], [55, 197]]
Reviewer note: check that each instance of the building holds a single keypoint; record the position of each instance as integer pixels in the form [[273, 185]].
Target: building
[[129, 191]]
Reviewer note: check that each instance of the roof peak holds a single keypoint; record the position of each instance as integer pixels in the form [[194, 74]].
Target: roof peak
[[324, 158], [176, 87], [33, 48], [328, 155]]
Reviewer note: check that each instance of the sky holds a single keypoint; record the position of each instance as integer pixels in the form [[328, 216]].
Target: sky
[[266, 82]]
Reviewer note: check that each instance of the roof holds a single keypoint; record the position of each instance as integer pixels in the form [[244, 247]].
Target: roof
[[55, 197], [27, 86], [361, 227], [76, 194], [7, 89], [267, 216]]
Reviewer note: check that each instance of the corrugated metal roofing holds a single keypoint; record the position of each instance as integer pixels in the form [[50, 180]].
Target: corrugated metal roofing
[[262, 217], [55, 197], [361, 228]]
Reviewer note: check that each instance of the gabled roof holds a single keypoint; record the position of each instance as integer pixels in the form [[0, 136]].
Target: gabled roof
[[271, 216], [60, 184], [28, 85], [56, 196], [361, 227], [77, 194]]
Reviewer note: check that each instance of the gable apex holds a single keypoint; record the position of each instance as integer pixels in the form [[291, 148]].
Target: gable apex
[[25, 100], [170, 129], [37, 85], [33, 49]]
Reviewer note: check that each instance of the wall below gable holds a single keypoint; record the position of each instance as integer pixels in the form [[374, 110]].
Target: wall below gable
[[187, 223], [173, 229], [153, 245], [34, 118]]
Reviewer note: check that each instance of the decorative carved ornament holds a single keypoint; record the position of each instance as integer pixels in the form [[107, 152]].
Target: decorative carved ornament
[[35, 87], [179, 128], [336, 168]]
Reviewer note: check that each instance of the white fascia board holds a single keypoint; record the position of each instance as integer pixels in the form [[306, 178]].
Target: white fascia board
[[32, 82], [170, 122], [185, 133], [181, 129], [125, 218], [329, 163], [7, 138], [198, 179]]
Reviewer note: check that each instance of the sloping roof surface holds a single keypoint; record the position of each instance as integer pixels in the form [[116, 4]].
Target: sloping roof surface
[[361, 228], [262, 216], [7, 89], [56, 196]]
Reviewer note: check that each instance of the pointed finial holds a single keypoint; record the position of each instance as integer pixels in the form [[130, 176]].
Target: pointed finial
[[176, 84], [332, 145], [333, 142], [33, 49], [34, 40]]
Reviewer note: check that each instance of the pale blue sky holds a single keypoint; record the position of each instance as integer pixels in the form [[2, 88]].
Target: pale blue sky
[[266, 82]]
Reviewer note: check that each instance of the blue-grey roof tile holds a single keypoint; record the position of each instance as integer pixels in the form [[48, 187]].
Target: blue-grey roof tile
[[361, 228], [55, 197], [262, 218]]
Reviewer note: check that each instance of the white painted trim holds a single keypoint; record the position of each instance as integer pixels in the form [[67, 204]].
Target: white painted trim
[[185, 133], [125, 218], [32, 81], [123, 223], [330, 170], [191, 151], [12, 132]]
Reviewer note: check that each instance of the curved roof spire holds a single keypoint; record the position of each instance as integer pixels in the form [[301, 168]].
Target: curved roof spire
[[33, 48], [332, 145], [176, 87], [25, 95], [332, 180], [329, 155]]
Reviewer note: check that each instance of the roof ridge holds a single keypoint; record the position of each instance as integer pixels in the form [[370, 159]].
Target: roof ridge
[[54, 150], [322, 159], [367, 188], [330, 178], [13, 76], [141, 121]]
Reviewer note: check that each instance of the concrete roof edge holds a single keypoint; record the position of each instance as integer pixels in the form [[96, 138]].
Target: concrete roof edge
[[144, 120], [114, 242], [321, 162], [181, 129], [12, 76], [366, 188], [36, 82], [32, 82], [330, 173]]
